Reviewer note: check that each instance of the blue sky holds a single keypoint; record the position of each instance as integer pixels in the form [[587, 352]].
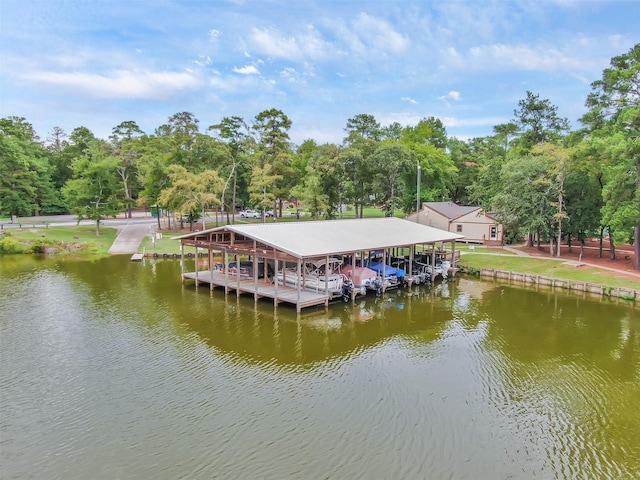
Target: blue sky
[[97, 63]]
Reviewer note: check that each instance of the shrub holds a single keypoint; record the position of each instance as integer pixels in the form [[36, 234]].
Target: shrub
[[8, 244], [39, 246]]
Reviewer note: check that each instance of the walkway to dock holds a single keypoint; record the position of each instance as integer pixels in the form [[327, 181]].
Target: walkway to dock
[[260, 289], [129, 237]]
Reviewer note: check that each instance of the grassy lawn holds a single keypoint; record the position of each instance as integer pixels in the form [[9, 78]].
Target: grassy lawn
[[83, 240], [164, 244], [546, 267], [78, 239], [464, 247], [371, 212]]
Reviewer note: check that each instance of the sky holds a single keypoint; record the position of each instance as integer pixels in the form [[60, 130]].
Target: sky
[[94, 63]]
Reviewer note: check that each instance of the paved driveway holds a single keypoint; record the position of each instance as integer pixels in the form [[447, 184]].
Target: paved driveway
[[131, 231], [129, 237]]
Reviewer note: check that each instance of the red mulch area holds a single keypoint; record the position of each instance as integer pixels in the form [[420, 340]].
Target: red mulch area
[[624, 261]]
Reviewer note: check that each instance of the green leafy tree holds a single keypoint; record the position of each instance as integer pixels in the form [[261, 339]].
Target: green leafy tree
[[18, 178], [524, 202], [364, 134], [538, 121], [208, 153], [392, 132], [190, 194], [261, 193], [125, 132], [559, 159], [613, 122], [273, 148], [311, 193], [431, 130], [467, 159], [235, 132], [93, 192], [505, 132], [328, 162], [80, 140], [153, 170], [438, 172], [583, 203], [57, 144], [181, 133], [391, 163], [25, 171], [127, 155]]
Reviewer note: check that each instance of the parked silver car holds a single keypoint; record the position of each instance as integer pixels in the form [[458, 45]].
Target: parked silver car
[[249, 214]]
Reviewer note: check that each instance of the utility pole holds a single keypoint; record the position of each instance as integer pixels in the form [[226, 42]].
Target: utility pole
[[418, 198]]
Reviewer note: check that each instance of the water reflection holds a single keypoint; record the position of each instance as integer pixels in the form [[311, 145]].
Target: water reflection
[[262, 333], [467, 379]]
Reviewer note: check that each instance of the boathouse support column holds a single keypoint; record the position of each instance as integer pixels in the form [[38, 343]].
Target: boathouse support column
[[453, 257], [384, 269], [210, 260], [182, 262], [300, 281], [276, 264], [237, 258], [226, 272], [196, 265], [433, 262], [352, 276], [326, 276], [411, 249], [256, 268]]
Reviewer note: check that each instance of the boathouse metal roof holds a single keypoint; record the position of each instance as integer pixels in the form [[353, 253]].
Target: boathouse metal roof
[[327, 237]]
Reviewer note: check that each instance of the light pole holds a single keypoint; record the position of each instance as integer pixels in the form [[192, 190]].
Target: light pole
[[418, 197]]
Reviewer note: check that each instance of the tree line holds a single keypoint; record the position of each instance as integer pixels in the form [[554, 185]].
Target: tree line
[[537, 176]]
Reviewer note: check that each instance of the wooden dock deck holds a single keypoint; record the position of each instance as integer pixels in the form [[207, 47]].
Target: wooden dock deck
[[260, 289]]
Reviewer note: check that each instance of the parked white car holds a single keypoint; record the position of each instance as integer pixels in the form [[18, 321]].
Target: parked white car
[[249, 214]]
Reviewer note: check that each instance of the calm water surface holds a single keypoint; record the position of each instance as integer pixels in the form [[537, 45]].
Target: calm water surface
[[114, 369]]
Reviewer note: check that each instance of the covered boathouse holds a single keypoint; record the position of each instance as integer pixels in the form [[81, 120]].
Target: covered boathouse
[[271, 246]]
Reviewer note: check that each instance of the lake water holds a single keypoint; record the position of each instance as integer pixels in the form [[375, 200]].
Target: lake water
[[114, 369]]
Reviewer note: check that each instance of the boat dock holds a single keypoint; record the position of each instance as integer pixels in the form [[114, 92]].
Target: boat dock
[[294, 244], [259, 289]]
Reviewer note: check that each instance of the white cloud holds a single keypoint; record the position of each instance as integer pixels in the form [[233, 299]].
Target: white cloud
[[403, 118], [308, 44], [378, 34], [203, 60], [452, 95], [120, 83], [214, 34], [272, 43], [233, 84], [527, 58], [410, 100], [247, 70], [290, 74], [450, 122]]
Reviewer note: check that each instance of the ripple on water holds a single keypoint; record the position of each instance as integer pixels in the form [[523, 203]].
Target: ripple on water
[[184, 384]]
